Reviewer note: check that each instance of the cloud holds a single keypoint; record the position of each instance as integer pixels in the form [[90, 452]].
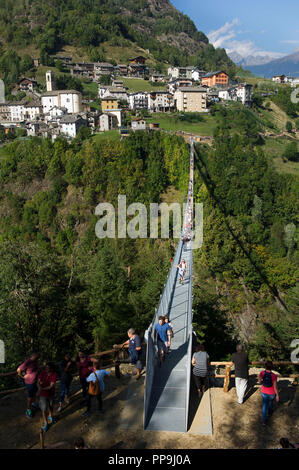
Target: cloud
[[223, 34], [291, 41], [226, 37]]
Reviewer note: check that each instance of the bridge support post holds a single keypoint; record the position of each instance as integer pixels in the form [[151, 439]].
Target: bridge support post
[[226, 378]]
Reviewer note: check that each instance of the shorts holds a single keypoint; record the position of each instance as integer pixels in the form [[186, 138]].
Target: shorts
[[31, 390], [45, 403], [162, 346], [199, 381]]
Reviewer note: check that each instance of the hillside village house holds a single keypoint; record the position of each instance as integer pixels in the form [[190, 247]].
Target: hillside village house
[[70, 125], [108, 122], [26, 84], [279, 79], [197, 74], [117, 83], [138, 124], [160, 101], [157, 78], [138, 100], [21, 111], [69, 99], [180, 72], [191, 99], [121, 69], [241, 92], [110, 105], [218, 78], [55, 113], [4, 112], [177, 83], [102, 68], [83, 70], [116, 92], [140, 60], [137, 70]]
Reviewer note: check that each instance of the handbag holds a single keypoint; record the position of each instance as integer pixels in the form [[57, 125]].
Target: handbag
[[94, 387]]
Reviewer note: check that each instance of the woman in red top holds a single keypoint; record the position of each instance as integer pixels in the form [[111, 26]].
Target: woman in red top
[[269, 390], [46, 385]]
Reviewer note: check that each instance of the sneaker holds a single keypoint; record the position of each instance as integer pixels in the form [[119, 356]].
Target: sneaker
[[67, 401], [59, 408], [86, 413], [28, 414], [51, 420], [45, 427]]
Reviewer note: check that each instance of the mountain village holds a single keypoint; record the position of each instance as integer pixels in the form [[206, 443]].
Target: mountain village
[[62, 112]]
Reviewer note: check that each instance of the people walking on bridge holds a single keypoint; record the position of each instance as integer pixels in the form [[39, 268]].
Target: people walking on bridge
[[66, 378], [84, 367], [240, 360], [162, 338], [200, 363], [184, 266], [135, 350], [181, 273], [46, 385], [269, 390], [166, 320], [28, 371], [96, 387]]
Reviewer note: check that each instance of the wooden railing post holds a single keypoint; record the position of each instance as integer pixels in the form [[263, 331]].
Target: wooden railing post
[[226, 378]]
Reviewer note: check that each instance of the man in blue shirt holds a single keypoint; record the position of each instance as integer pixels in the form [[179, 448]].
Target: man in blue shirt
[[135, 350], [162, 338], [97, 375]]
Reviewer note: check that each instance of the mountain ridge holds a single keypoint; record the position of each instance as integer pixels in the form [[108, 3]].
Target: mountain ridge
[[154, 25], [287, 65]]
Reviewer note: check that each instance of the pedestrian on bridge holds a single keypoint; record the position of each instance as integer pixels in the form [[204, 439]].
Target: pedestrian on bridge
[[240, 360], [162, 338], [181, 273], [200, 362]]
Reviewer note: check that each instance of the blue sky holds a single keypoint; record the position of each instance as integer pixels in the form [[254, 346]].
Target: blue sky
[[249, 27]]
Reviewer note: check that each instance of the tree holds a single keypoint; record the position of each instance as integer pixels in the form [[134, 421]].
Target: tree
[[291, 151], [289, 126]]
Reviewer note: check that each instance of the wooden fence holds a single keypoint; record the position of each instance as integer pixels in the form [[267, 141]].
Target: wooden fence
[[229, 365], [117, 356]]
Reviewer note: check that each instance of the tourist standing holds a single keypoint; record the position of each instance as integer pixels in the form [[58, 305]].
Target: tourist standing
[[135, 350], [240, 360], [84, 367], [65, 380], [28, 371], [96, 387], [200, 362], [269, 390]]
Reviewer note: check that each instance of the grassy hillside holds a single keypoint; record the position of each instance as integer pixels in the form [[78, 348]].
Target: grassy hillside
[[111, 30]]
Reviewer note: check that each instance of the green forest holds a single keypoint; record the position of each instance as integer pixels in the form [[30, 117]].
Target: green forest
[[62, 288], [248, 267]]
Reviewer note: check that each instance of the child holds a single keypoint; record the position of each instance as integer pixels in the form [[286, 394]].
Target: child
[[166, 320]]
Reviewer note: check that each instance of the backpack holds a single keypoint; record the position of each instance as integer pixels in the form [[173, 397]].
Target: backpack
[[94, 387], [267, 379]]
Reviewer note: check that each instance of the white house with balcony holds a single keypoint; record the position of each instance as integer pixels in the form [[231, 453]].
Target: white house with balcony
[[138, 100]]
